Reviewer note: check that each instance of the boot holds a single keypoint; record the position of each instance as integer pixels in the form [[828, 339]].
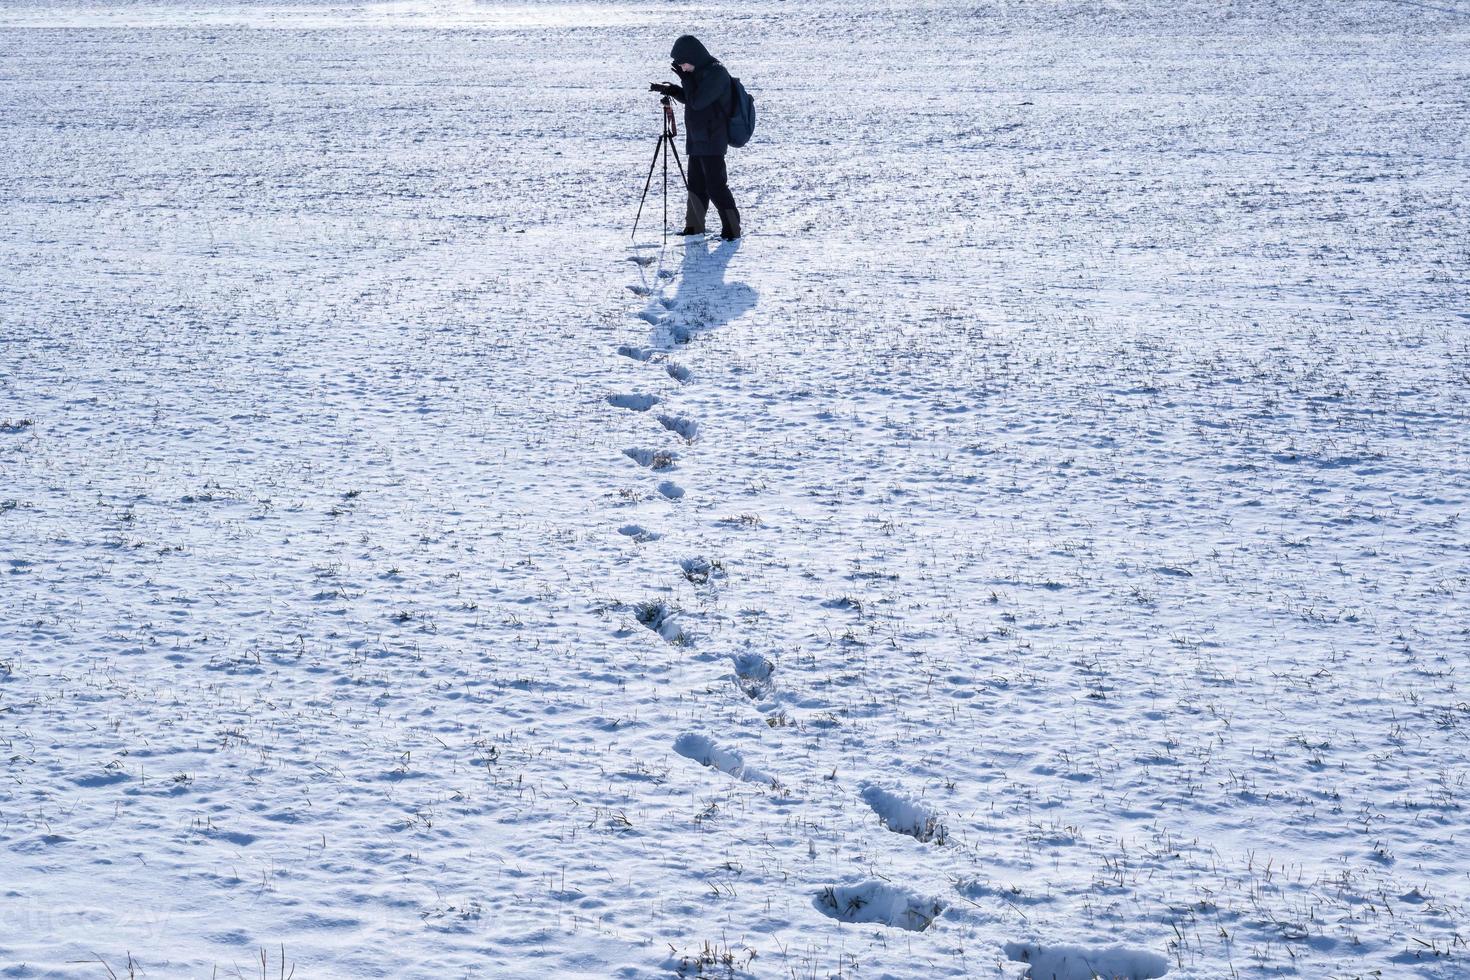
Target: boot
[[729, 224], [694, 212]]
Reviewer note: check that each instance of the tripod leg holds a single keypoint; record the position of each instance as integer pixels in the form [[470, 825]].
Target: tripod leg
[[682, 177], [670, 142], [648, 183]]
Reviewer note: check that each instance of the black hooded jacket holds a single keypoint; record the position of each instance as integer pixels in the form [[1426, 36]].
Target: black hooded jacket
[[705, 93]]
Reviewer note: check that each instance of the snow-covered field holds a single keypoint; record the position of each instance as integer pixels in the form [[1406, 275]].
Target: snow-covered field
[[1039, 545]]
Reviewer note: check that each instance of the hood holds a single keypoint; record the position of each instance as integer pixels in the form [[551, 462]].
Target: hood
[[688, 50]]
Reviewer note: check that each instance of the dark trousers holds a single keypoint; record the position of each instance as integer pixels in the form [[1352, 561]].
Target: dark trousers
[[708, 181]]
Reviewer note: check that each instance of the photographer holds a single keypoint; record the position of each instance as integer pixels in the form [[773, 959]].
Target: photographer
[[704, 88]]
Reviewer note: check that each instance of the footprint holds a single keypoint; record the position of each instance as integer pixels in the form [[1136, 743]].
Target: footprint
[[875, 901], [679, 372], [664, 620], [641, 259], [705, 751], [650, 317], [671, 490], [633, 402], [654, 459], [904, 814], [639, 533], [700, 570], [685, 428], [753, 675], [636, 353], [1081, 963], [639, 290]]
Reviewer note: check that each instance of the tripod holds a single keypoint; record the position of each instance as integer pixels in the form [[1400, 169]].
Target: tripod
[[664, 148]]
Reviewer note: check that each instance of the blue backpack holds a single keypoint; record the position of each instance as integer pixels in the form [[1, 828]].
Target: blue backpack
[[742, 114]]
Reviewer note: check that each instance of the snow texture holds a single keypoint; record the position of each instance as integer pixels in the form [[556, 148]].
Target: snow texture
[[405, 574]]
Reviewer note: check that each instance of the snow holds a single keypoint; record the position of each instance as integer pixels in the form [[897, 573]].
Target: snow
[[400, 581], [904, 815], [874, 901], [705, 751], [1076, 963]]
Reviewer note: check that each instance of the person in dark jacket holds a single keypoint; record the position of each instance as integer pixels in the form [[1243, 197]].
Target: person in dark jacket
[[704, 88]]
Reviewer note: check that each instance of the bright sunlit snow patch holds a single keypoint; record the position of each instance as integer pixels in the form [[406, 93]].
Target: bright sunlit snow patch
[[312, 15]]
